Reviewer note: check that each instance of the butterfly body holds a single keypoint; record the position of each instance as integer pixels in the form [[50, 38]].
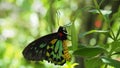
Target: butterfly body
[[50, 47]]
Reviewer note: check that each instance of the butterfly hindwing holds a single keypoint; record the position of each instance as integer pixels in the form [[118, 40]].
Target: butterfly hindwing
[[55, 53]]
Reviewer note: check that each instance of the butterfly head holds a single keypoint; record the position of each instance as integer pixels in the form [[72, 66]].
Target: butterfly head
[[62, 32]]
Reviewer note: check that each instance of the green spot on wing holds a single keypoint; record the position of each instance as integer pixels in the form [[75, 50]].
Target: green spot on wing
[[42, 45], [37, 51], [58, 48]]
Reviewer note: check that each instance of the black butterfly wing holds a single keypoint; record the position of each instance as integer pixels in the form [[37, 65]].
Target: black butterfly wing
[[36, 50]]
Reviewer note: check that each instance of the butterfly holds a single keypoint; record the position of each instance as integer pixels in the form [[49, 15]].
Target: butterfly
[[52, 47]]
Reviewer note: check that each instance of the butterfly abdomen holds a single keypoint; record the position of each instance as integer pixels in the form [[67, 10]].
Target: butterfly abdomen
[[66, 53]]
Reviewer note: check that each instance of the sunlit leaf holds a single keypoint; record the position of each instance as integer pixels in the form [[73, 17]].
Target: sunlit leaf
[[104, 12], [111, 62]]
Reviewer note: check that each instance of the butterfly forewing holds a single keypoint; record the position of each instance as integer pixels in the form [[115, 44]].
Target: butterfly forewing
[[36, 50]]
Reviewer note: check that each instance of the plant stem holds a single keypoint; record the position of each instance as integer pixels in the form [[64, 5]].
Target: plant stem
[[105, 66]]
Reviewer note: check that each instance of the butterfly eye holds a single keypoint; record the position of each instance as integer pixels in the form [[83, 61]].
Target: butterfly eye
[[64, 29]]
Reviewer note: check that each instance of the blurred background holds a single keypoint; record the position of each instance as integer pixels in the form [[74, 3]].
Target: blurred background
[[22, 21]]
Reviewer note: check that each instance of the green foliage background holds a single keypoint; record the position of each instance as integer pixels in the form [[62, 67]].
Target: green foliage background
[[95, 45]]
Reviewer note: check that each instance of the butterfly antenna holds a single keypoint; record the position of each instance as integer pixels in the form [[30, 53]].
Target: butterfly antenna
[[67, 25], [58, 17]]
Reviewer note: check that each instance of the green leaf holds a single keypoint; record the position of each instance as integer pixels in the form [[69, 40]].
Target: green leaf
[[118, 33], [115, 46], [91, 63], [74, 37], [111, 62], [93, 31], [89, 51]]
